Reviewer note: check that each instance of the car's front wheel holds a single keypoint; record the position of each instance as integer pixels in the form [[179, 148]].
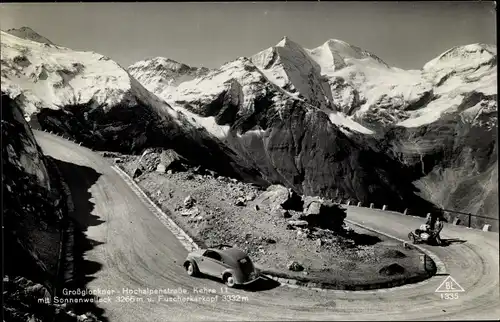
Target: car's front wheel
[[229, 280], [191, 269]]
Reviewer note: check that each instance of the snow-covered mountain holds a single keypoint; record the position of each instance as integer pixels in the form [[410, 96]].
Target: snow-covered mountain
[[328, 120], [290, 67], [359, 90], [91, 98], [439, 121], [162, 75], [47, 76]]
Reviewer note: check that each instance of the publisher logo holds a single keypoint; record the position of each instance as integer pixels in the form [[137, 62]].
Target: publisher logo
[[449, 289]]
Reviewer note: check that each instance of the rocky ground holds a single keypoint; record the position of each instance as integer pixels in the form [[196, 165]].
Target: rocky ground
[[25, 300], [278, 229]]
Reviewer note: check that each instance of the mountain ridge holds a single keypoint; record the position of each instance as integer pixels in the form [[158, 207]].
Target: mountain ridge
[[289, 130], [28, 33], [357, 83]]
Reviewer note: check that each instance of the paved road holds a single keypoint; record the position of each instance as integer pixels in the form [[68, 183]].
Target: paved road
[[132, 249]]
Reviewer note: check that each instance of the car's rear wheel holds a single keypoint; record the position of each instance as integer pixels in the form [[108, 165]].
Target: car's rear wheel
[[229, 280], [191, 269]]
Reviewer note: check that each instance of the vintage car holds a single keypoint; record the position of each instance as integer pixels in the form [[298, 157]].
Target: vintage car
[[230, 264]]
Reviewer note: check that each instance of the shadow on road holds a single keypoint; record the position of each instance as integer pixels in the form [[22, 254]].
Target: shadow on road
[[80, 179], [262, 284], [449, 241], [364, 239]]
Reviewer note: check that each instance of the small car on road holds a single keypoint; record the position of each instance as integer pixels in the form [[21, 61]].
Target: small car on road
[[230, 264]]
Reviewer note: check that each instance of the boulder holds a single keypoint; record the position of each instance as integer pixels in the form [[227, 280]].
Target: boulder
[[312, 205], [295, 266], [277, 195], [149, 159], [38, 291], [270, 241], [160, 168], [137, 173], [298, 223], [107, 154], [197, 218], [171, 160], [392, 269], [250, 196], [193, 212], [239, 202], [323, 213], [280, 212], [189, 202]]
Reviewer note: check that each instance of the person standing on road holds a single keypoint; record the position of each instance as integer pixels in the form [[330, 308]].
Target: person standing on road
[[437, 230], [430, 221], [428, 226]]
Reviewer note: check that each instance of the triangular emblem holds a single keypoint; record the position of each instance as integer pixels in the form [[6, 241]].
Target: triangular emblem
[[449, 285]]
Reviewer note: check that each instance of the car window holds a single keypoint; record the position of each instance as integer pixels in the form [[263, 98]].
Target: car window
[[212, 254], [246, 265]]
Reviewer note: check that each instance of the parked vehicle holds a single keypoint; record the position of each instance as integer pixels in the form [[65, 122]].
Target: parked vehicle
[[422, 235], [230, 264]]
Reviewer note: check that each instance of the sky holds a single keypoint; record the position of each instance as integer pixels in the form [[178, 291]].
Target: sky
[[403, 34]]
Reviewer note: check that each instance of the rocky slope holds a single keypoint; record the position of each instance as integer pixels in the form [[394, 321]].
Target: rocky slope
[[31, 199], [284, 234], [290, 140], [454, 164], [33, 209]]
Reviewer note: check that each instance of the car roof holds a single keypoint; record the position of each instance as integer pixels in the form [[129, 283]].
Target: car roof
[[235, 253], [230, 253]]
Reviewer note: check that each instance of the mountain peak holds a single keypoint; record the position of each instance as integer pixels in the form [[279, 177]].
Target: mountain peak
[[346, 50], [287, 42], [29, 34], [468, 50], [161, 63], [334, 42], [476, 54]]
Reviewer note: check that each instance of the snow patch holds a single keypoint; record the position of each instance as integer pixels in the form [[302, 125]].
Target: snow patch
[[255, 132], [342, 120], [207, 123], [432, 112]]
